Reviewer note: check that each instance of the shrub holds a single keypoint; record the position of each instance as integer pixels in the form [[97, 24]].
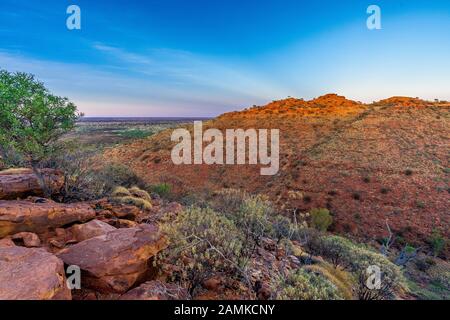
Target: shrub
[[340, 278], [120, 192], [357, 258], [321, 219], [162, 189], [138, 202], [229, 200], [307, 285], [32, 120], [82, 182], [114, 174], [437, 242], [282, 228], [249, 213], [440, 275], [253, 218], [133, 196], [201, 243], [142, 194]]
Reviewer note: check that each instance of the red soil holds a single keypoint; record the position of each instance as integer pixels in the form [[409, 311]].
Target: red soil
[[366, 163]]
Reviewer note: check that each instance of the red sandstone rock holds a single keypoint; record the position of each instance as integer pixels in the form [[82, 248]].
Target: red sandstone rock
[[118, 260], [90, 230], [25, 216], [156, 290], [31, 274], [20, 183], [28, 239]]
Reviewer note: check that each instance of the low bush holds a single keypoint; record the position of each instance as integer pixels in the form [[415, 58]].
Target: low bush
[[134, 201], [83, 180], [307, 285], [120, 192], [202, 242], [142, 194], [229, 200], [282, 228], [437, 242], [321, 219], [133, 196], [357, 258], [339, 277], [162, 189]]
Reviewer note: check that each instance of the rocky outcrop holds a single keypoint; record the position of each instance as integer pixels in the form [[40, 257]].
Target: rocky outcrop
[[118, 260], [27, 239], [26, 216], [91, 229], [20, 183], [31, 274], [156, 290]]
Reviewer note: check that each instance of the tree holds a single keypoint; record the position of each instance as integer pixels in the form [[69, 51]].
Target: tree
[[32, 119]]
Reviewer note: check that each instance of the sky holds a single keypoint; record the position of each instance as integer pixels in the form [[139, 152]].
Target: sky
[[197, 58]]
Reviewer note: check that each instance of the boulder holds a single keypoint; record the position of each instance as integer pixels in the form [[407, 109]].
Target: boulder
[[31, 274], [20, 183], [27, 239], [128, 212], [91, 229], [156, 290], [6, 242], [116, 261], [25, 216]]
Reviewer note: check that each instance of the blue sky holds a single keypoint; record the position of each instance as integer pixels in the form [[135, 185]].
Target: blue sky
[[203, 58]]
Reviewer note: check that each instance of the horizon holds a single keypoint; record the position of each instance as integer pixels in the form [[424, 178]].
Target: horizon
[[202, 59]]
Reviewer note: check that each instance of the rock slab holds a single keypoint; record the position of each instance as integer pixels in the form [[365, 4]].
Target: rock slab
[[31, 274], [26, 216], [116, 261]]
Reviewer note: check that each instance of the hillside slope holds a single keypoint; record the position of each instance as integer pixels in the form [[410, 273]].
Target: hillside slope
[[367, 163]]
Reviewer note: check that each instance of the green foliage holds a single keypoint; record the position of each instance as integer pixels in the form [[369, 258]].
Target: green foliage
[[321, 219], [253, 218], [82, 182], [162, 189], [357, 258], [229, 200], [304, 285], [201, 243], [31, 118], [437, 242], [282, 228]]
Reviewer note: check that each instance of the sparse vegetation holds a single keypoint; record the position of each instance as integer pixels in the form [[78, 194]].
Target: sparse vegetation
[[32, 120], [321, 219], [162, 189], [307, 285], [437, 243], [133, 196], [356, 258], [201, 243]]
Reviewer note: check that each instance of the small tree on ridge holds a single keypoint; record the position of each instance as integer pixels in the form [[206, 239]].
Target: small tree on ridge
[[32, 119]]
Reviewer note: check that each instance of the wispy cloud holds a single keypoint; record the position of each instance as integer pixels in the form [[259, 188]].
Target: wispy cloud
[[163, 82]]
